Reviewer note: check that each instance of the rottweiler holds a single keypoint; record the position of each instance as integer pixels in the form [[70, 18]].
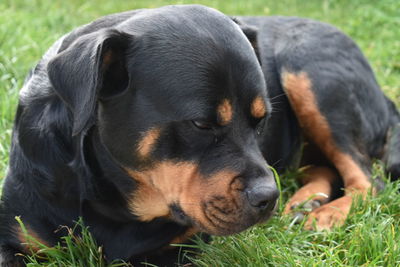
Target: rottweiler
[[154, 125]]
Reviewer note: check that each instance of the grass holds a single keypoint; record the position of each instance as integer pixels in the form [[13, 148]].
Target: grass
[[371, 235], [73, 250]]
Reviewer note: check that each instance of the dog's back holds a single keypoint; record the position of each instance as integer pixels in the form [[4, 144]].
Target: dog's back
[[343, 82], [324, 89]]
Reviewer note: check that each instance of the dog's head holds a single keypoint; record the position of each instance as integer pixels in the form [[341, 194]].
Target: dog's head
[[177, 96]]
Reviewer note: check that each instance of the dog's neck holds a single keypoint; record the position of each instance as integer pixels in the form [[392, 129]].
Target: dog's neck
[[106, 186]]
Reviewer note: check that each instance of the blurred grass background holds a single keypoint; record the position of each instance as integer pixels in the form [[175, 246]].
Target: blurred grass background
[[369, 238]]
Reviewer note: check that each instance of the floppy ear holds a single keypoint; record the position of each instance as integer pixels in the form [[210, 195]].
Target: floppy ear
[[92, 67], [251, 33]]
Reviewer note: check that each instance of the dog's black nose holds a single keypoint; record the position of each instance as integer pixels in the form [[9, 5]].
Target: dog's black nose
[[262, 195]]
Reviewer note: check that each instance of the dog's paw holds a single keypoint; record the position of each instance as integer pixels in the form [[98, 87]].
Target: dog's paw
[[304, 202], [300, 210], [329, 215], [314, 193]]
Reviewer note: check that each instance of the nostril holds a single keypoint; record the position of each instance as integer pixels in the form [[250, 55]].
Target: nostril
[[261, 197]]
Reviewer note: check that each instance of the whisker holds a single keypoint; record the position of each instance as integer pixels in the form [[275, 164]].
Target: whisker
[[272, 98]]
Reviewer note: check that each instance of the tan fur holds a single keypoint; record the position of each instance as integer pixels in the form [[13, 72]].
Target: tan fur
[[221, 192], [298, 88], [225, 112], [171, 182], [147, 142], [329, 215], [258, 108], [29, 244], [159, 187]]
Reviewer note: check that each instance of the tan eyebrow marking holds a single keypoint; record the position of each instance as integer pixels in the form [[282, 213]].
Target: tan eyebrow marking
[[148, 141], [258, 108], [225, 112]]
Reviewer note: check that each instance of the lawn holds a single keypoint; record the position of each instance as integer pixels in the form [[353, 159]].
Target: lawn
[[370, 237]]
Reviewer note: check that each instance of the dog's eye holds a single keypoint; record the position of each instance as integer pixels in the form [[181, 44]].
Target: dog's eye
[[202, 125]]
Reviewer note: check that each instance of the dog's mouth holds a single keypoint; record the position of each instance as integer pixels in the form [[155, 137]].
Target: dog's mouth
[[221, 221], [180, 216], [217, 205]]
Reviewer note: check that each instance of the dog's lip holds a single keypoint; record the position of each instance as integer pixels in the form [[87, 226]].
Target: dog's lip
[[180, 216], [221, 228], [230, 228]]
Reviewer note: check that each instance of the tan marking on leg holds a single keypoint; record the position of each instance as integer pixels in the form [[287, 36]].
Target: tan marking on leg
[[225, 112], [355, 180], [30, 240], [302, 99], [180, 183], [258, 108], [148, 141], [329, 215], [298, 89], [316, 180]]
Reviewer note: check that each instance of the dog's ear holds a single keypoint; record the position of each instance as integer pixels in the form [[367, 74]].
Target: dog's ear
[[251, 33], [91, 68]]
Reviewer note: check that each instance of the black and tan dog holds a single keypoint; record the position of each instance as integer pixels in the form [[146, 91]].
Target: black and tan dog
[[153, 125]]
